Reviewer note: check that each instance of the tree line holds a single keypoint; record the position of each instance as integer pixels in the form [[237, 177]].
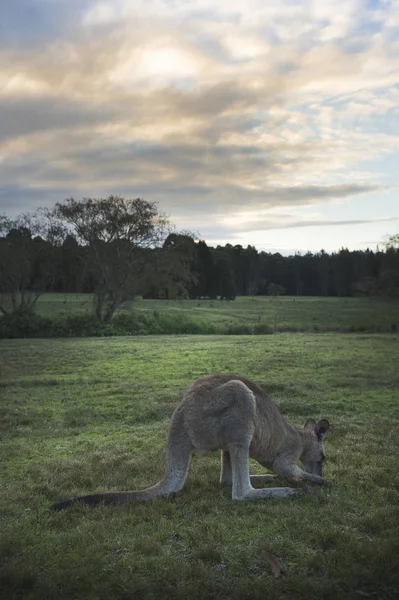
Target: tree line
[[117, 248]]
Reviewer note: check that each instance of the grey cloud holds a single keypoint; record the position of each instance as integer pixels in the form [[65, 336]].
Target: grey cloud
[[182, 160], [29, 23], [263, 225], [233, 196], [15, 200], [196, 202], [24, 116], [216, 99], [164, 165], [316, 192]]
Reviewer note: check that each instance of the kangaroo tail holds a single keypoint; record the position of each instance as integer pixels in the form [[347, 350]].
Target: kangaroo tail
[[114, 497], [179, 450]]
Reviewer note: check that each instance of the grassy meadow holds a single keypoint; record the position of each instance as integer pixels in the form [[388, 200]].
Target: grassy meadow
[[84, 415], [276, 313]]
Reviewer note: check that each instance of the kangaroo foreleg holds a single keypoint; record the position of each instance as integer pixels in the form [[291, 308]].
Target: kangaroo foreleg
[[295, 473], [300, 474], [242, 488], [226, 473]]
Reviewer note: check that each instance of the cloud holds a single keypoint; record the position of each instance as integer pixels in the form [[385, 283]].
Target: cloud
[[204, 109], [23, 116], [29, 23], [267, 225]]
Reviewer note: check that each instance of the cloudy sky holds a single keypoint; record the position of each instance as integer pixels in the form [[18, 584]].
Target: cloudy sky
[[273, 123]]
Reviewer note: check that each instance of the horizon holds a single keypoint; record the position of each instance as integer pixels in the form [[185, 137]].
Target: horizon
[[275, 126]]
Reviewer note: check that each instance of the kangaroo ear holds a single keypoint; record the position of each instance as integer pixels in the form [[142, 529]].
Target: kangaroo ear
[[321, 428], [310, 424]]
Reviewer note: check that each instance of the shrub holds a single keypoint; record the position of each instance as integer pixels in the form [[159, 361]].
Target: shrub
[[262, 329], [238, 329], [24, 324], [87, 325], [83, 325]]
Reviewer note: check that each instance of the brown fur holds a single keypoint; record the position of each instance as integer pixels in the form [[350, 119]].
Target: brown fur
[[235, 415]]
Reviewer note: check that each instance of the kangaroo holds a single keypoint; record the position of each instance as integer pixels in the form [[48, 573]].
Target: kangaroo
[[234, 415]]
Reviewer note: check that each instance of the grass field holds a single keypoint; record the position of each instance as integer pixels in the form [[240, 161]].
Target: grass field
[[81, 415], [278, 313]]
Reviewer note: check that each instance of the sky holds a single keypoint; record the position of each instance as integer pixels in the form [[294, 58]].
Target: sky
[[274, 124]]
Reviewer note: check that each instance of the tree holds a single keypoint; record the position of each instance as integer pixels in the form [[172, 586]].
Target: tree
[[115, 231], [224, 271], [28, 263], [392, 241], [342, 272], [72, 268], [244, 262], [388, 280], [207, 283], [170, 270], [274, 289]]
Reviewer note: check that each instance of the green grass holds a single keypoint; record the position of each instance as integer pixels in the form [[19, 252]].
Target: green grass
[[82, 415], [276, 313]]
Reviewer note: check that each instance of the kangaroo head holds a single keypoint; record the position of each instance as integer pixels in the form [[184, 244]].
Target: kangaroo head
[[314, 453]]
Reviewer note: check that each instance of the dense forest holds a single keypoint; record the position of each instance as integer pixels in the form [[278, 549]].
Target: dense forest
[[117, 248]]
